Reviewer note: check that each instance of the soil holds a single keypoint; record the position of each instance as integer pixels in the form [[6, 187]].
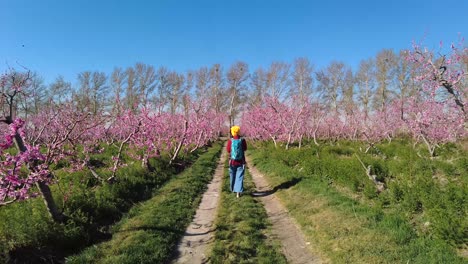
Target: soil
[[293, 244], [199, 236], [196, 243]]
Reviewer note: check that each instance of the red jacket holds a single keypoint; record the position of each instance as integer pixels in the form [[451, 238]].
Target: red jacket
[[244, 147]]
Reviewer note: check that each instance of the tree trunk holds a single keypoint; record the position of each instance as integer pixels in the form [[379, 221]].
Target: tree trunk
[[49, 201], [111, 179], [51, 206], [176, 153], [289, 141], [380, 186], [430, 147], [274, 141], [315, 138]]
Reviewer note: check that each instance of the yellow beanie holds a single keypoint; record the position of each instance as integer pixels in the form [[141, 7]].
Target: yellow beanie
[[235, 130]]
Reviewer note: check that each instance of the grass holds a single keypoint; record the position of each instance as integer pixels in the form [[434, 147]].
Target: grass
[[420, 218], [349, 222], [28, 235], [151, 230], [243, 230]]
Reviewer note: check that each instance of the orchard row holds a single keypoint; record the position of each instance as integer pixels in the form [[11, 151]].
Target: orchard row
[[145, 112]]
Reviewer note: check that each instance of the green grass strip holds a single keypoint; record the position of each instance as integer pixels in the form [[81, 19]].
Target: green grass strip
[[151, 230], [345, 230], [243, 228]]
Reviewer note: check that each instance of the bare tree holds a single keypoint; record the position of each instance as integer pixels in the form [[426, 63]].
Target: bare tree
[[331, 82], [258, 86], [187, 92], [99, 92], [385, 74], [366, 84], [404, 75], [117, 80], [33, 96], [202, 80], [131, 90], [92, 91], [162, 88], [278, 79], [146, 77], [237, 76], [176, 91], [59, 91], [348, 91], [217, 88], [171, 89], [302, 79], [82, 97]]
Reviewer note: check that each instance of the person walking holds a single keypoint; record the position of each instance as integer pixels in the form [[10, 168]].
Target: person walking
[[236, 148]]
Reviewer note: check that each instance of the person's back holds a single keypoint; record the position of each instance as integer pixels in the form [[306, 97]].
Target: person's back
[[236, 148]]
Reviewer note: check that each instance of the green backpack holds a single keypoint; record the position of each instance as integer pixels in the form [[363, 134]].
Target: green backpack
[[237, 153]]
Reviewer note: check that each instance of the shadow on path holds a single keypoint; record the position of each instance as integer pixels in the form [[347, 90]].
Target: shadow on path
[[282, 186], [151, 229]]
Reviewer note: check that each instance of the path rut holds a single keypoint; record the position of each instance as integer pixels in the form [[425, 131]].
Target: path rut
[[293, 243], [199, 236], [200, 233]]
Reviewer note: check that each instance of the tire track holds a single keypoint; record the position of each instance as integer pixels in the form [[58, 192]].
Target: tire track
[[293, 243], [200, 233]]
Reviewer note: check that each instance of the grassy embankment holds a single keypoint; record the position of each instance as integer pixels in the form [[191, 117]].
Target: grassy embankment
[[420, 218], [149, 233], [28, 235]]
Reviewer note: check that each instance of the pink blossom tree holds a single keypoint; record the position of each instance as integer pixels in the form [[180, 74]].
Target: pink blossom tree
[[64, 132], [435, 123], [123, 131], [149, 133], [381, 125], [16, 184], [204, 123], [438, 73], [261, 121], [315, 119]]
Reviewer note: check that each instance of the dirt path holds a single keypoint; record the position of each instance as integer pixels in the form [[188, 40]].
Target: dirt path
[[199, 235], [294, 245]]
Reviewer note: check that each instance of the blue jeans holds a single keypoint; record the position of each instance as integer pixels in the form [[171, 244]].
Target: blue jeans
[[236, 177]]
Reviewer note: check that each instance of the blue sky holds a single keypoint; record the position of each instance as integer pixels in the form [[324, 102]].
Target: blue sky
[[68, 37]]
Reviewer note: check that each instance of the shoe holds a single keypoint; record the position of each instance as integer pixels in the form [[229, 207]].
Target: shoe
[[238, 195]]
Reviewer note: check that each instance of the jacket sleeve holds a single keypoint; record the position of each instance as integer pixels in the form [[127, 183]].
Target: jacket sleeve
[[228, 147], [244, 145]]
